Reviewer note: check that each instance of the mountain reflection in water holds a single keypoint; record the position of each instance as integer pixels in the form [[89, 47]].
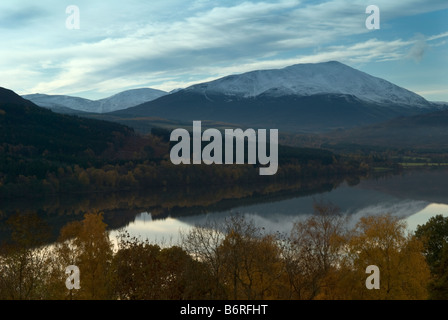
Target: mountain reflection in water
[[414, 196], [159, 214]]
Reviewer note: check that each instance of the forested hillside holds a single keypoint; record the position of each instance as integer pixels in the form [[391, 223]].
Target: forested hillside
[[42, 152]]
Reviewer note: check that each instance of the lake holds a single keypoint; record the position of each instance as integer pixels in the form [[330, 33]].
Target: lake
[[414, 196], [159, 215]]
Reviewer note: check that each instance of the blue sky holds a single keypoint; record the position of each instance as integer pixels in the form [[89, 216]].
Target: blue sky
[[172, 44]]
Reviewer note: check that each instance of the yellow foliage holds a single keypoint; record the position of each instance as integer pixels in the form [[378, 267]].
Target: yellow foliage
[[382, 241]]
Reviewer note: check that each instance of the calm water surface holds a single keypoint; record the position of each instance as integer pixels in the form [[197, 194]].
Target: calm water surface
[[414, 196], [158, 215]]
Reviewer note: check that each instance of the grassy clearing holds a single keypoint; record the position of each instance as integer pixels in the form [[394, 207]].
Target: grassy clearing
[[420, 164]]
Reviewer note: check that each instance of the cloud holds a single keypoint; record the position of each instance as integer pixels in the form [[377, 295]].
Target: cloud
[[443, 91], [171, 43], [438, 36]]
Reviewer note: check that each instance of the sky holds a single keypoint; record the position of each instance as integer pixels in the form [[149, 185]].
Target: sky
[[170, 44]]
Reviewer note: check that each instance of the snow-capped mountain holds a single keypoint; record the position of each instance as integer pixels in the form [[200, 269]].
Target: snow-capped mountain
[[60, 102], [129, 98], [301, 98], [119, 101], [310, 79]]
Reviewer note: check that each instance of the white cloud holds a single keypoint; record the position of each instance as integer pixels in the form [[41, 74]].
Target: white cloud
[[171, 43], [438, 36]]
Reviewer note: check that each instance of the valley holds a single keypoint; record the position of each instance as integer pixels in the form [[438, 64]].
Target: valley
[[365, 146]]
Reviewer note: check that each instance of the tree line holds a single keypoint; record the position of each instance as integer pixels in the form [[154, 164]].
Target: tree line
[[44, 153], [324, 257], [147, 165]]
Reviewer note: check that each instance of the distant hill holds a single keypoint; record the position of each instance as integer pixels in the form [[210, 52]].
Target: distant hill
[[300, 98], [45, 153], [425, 132], [70, 104], [43, 133], [10, 97]]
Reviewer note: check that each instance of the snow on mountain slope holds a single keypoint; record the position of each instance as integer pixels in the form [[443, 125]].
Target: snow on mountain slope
[[129, 98], [119, 101], [310, 79], [60, 101]]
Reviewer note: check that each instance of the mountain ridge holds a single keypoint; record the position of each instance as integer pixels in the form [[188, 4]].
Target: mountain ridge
[[25, 124], [121, 100], [310, 79], [318, 101], [8, 96]]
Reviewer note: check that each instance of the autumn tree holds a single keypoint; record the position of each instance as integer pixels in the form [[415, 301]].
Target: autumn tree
[[383, 241], [251, 263], [145, 271], [312, 250], [23, 261], [183, 278], [243, 261], [135, 270], [85, 244], [202, 243]]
